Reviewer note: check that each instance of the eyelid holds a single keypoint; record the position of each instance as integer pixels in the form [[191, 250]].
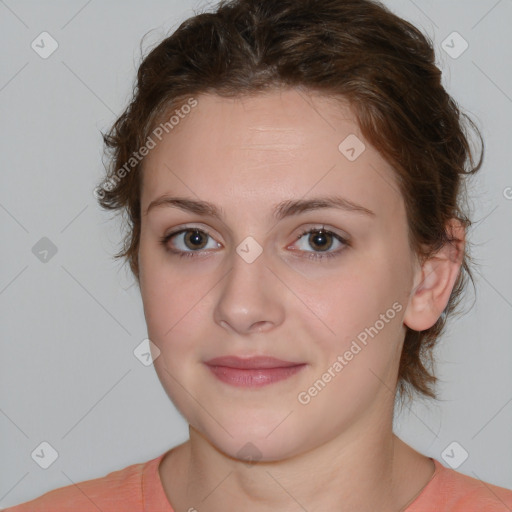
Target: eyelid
[[344, 240], [323, 227], [185, 227]]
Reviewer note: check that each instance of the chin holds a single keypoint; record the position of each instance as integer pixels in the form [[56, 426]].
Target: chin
[[251, 450], [261, 442]]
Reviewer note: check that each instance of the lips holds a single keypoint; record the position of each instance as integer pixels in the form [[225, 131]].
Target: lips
[[251, 363], [252, 372]]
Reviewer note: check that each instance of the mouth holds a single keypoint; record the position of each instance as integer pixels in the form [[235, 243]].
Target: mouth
[[254, 371]]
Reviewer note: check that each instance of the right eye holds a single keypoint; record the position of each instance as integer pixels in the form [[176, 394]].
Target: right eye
[[188, 242]]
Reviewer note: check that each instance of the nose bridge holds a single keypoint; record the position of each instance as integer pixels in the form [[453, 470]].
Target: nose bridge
[[249, 299]]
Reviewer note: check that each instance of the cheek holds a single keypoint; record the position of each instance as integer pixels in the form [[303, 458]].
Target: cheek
[[353, 298], [175, 306], [170, 304], [361, 307], [360, 359], [166, 294]]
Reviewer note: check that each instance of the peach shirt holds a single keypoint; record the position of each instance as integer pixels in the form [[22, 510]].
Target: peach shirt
[[138, 488]]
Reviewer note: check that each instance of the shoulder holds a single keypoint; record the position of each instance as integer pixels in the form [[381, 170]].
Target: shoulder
[[120, 487], [451, 491]]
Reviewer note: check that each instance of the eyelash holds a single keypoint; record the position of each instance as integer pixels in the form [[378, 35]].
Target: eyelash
[[312, 255]]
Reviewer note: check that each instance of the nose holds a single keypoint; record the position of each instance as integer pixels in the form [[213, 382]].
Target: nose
[[251, 298]]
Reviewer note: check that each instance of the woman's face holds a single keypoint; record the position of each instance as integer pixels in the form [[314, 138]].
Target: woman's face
[[250, 283]]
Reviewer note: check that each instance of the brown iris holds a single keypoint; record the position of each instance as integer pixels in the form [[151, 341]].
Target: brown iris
[[194, 238], [318, 238]]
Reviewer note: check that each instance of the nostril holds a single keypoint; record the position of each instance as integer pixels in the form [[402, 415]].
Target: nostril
[[259, 326]]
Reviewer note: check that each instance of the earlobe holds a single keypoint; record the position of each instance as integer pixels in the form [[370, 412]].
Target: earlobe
[[434, 281]]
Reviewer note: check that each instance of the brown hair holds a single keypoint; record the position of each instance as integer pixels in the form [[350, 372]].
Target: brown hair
[[355, 50]]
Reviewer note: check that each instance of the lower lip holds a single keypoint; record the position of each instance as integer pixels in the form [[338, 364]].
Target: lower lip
[[253, 378]]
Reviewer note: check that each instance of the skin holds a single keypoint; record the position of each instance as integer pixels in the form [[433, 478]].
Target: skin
[[338, 452]]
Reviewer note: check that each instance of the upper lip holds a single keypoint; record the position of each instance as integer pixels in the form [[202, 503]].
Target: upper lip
[[250, 362]]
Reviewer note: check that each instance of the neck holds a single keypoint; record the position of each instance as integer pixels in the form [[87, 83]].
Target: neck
[[364, 469]]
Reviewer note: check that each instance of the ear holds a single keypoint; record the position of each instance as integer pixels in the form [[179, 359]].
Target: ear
[[434, 281]]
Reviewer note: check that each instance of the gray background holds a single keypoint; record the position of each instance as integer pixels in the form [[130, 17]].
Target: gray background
[[68, 375]]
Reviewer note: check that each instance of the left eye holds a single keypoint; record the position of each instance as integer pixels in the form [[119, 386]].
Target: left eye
[[322, 240]]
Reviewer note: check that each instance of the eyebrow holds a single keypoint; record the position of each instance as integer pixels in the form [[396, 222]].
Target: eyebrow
[[280, 211]]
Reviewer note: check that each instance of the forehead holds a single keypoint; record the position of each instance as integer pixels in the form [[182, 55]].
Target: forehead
[[282, 142]]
